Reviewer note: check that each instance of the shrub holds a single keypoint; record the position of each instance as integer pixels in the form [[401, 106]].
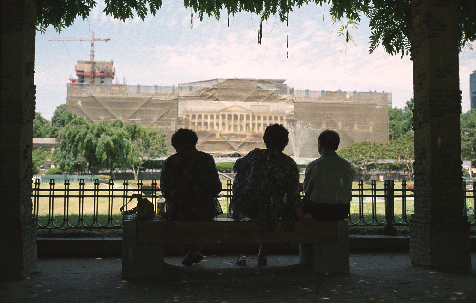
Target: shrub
[[465, 172], [54, 171], [225, 167], [152, 164], [36, 170]]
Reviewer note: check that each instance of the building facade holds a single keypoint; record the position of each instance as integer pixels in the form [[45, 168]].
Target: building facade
[[230, 115]]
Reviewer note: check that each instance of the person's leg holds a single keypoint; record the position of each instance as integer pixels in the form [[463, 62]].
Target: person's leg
[[319, 211], [193, 255], [263, 252], [339, 212]]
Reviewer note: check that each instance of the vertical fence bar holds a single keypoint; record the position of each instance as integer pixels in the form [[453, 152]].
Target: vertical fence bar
[[36, 201], [374, 201], [96, 202], [229, 196], [389, 192], [110, 201], [66, 203], [81, 203], [51, 203], [153, 194], [404, 201], [125, 188], [465, 199], [361, 201]]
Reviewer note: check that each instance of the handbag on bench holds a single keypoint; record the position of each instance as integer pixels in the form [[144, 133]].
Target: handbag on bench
[[144, 208]]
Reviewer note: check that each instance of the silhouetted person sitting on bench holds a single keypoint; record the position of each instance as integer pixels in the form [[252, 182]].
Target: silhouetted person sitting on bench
[[190, 184], [266, 186]]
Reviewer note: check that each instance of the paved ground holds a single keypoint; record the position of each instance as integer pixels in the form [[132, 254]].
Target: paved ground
[[373, 278]]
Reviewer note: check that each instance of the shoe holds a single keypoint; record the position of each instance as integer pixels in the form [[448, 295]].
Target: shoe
[[197, 258], [187, 261], [241, 261], [262, 262]]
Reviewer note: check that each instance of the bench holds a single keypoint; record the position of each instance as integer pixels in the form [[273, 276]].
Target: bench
[[324, 248]]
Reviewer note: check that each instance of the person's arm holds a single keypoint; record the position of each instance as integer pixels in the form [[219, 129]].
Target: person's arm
[[307, 184], [164, 181], [214, 179]]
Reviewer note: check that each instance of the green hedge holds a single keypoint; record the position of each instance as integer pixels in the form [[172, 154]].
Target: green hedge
[[54, 171], [225, 167]]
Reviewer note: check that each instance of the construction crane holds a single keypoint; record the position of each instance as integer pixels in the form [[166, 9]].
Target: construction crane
[[91, 57]]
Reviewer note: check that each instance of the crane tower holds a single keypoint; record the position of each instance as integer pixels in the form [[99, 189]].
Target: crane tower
[[91, 56]]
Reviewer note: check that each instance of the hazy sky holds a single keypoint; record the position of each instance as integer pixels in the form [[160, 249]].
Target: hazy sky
[[167, 50]]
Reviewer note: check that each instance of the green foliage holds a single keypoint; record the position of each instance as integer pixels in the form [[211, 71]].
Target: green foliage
[[60, 119], [366, 155], [400, 121], [54, 171], [41, 127], [390, 20], [145, 143], [38, 157], [152, 164], [465, 172], [225, 167], [468, 135], [107, 145]]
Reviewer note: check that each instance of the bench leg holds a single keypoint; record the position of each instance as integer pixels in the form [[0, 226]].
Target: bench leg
[[328, 258], [140, 261]]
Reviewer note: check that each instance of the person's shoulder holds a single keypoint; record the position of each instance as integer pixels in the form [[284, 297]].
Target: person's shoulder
[[204, 155], [254, 153], [343, 159], [314, 162], [289, 160]]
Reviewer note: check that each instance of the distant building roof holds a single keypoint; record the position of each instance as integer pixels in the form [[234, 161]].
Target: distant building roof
[[45, 143]]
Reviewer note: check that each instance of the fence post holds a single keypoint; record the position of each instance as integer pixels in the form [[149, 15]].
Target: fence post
[[389, 192]]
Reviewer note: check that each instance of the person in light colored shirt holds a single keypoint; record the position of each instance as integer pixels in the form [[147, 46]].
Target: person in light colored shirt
[[328, 182]]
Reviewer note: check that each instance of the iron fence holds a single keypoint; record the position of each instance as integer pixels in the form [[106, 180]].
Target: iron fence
[[96, 205]]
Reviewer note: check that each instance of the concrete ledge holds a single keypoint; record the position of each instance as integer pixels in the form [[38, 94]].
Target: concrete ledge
[[112, 247]]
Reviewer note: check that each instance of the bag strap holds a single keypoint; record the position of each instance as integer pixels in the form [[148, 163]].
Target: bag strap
[[138, 196]]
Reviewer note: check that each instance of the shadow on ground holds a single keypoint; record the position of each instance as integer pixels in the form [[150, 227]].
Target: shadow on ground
[[373, 278]]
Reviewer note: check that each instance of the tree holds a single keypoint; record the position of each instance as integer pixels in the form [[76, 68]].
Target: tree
[[468, 135], [60, 118], [145, 144], [400, 121], [364, 155], [390, 20], [107, 144], [39, 157], [41, 126]]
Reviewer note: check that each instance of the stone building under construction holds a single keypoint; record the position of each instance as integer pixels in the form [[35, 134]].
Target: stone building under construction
[[230, 115]]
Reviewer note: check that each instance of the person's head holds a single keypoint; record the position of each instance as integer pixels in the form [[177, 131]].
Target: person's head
[[184, 138], [328, 140], [276, 137]]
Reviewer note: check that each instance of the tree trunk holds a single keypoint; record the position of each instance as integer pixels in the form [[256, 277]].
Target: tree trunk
[[439, 230]]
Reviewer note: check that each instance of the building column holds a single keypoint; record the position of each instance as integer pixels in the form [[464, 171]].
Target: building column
[[17, 111], [439, 230]]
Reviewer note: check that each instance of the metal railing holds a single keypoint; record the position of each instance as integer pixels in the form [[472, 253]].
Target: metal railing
[[96, 205]]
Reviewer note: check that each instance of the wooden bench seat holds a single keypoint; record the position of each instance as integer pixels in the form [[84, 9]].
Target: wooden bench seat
[[325, 248]]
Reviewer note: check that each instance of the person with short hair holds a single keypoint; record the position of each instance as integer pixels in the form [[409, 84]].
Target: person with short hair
[[190, 184], [328, 181], [266, 187]]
